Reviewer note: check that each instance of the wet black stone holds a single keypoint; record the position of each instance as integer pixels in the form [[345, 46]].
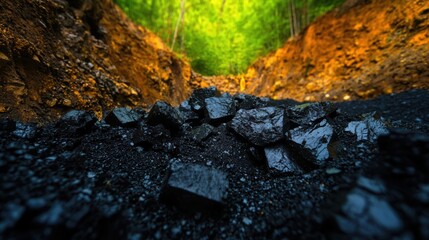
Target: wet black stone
[[26, 131], [220, 109], [197, 99], [368, 216], [315, 138], [164, 113], [260, 126], [202, 132], [372, 185], [124, 117], [188, 114], [77, 120], [195, 188], [369, 129], [309, 113], [279, 158]]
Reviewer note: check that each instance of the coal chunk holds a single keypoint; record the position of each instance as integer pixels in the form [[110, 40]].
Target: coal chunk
[[164, 113], [24, 130], [202, 132], [195, 188], [188, 114], [368, 216], [124, 117], [315, 138], [369, 129], [220, 109], [78, 120], [309, 113], [279, 158], [197, 99], [260, 126], [372, 185]]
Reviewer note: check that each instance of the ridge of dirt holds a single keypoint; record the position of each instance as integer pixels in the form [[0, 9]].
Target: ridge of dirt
[[56, 55], [361, 50]]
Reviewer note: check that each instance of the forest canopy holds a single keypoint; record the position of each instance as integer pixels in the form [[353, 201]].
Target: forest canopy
[[225, 36]]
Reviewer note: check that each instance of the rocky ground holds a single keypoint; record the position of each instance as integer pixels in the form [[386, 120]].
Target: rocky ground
[[221, 166]]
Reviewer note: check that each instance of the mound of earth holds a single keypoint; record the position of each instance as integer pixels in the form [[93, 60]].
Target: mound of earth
[[56, 55], [221, 166], [358, 51]]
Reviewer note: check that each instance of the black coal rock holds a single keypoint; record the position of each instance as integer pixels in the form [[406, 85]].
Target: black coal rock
[[164, 113], [78, 120], [365, 215], [197, 99], [188, 114], [25, 130], [315, 138], [279, 158], [220, 109], [260, 126], [124, 117], [369, 129], [309, 113], [195, 188]]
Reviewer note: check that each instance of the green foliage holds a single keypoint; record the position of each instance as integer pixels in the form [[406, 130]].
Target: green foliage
[[225, 36]]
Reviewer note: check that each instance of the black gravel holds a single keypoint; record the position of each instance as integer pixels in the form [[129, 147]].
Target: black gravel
[[179, 175]]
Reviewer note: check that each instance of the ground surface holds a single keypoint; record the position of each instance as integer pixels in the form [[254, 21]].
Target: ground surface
[[104, 182]]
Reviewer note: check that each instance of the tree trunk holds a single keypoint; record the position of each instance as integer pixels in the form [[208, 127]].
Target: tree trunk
[[182, 13]]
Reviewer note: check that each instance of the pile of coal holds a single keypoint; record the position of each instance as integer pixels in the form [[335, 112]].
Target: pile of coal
[[239, 160]]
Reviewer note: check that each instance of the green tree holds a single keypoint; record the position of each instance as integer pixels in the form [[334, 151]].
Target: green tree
[[225, 36]]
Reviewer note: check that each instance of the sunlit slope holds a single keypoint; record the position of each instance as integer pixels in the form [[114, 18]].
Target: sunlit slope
[[59, 55], [360, 50]]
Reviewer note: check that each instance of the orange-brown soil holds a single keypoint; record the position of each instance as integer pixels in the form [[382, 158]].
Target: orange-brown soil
[[56, 55], [358, 51]]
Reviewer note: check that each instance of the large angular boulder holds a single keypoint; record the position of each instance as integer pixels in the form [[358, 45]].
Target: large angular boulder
[[195, 188], [260, 126], [197, 99], [315, 138], [369, 129], [309, 113], [163, 113], [279, 158], [220, 109], [124, 117], [188, 114], [78, 120], [367, 216]]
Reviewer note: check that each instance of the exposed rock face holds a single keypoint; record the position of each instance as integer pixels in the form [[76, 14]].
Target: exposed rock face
[[59, 55]]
